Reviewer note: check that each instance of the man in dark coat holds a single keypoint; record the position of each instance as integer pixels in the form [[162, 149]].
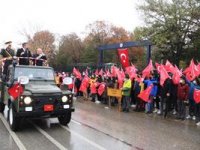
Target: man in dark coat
[[165, 93], [24, 54], [39, 58], [7, 54]]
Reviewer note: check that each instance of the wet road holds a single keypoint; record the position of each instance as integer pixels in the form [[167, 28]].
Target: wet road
[[94, 127]]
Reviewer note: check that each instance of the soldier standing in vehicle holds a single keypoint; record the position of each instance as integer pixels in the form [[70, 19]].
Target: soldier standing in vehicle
[[7, 55], [24, 54], [40, 57]]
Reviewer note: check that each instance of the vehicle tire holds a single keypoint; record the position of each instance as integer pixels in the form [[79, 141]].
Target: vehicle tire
[[13, 121], [2, 106], [65, 119]]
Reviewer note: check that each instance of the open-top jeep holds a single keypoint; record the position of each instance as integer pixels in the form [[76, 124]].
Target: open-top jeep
[[40, 96]]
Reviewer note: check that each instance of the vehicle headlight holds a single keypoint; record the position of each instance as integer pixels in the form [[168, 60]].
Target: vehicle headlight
[[64, 99], [27, 100]]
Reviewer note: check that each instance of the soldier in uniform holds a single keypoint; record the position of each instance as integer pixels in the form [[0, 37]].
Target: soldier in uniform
[[24, 54], [39, 57], [7, 55]]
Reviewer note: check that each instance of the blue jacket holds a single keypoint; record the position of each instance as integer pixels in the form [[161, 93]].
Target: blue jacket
[[155, 87], [192, 86]]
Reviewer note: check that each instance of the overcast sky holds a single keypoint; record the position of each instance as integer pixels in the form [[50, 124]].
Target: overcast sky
[[63, 16]]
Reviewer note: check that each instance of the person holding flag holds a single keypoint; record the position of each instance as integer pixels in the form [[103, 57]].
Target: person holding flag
[[84, 86], [182, 94], [151, 81], [165, 93], [93, 88], [102, 91], [138, 88], [77, 85], [196, 97], [99, 80], [194, 101], [126, 91]]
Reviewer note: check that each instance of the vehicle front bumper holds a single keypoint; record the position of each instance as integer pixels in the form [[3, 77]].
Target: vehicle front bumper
[[38, 114]]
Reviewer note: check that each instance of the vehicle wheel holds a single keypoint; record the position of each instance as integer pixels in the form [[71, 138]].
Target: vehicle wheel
[[13, 121], [2, 106], [65, 119]]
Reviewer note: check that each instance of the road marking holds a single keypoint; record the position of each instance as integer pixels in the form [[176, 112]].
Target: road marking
[[84, 138], [50, 138], [107, 134], [13, 134], [74, 121]]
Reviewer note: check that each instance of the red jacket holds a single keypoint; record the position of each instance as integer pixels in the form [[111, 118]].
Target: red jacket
[[183, 91]]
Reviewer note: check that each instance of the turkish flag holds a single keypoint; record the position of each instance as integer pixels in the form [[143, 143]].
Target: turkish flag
[[107, 73], [101, 88], [144, 95], [77, 73], [192, 71], [176, 76], [139, 80], [196, 96], [198, 66], [196, 69], [15, 91], [122, 73], [169, 67], [131, 71], [163, 75], [147, 71], [114, 71], [100, 72], [84, 84], [124, 57], [158, 67], [120, 77]]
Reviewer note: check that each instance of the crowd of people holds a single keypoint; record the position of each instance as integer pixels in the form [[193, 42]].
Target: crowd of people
[[165, 91]]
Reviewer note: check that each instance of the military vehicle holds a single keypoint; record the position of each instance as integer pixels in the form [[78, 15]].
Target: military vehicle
[[40, 98]]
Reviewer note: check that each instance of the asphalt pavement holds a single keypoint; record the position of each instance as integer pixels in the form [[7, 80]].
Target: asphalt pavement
[[94, 127]]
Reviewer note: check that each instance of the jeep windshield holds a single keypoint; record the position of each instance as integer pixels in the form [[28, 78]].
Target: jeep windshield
[[35, 73]]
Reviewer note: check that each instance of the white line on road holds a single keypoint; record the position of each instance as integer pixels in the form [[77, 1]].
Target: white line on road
[[13, 134], [50, 138], [84, 138], [76, 122]]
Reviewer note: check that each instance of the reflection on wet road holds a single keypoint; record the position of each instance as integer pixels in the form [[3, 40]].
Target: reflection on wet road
[[94, 127]]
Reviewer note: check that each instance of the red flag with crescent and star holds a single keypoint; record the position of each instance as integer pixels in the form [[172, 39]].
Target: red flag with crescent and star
[[84, 84], [144, 95], [147, 71], [15, 91], [124, 57], [76, 73], [169, 67], [101, 88]]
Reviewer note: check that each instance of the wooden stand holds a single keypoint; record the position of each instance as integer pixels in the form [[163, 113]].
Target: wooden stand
[[114, 93]]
